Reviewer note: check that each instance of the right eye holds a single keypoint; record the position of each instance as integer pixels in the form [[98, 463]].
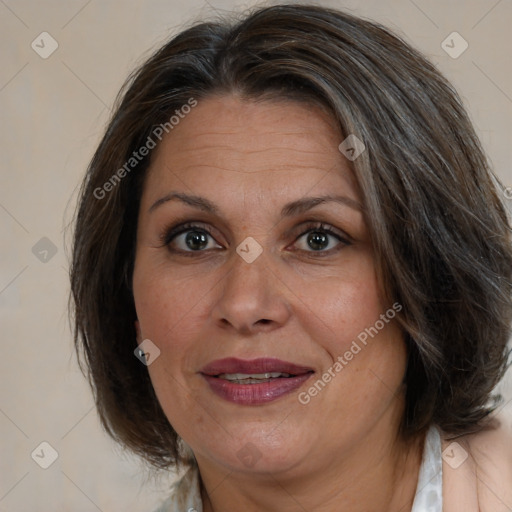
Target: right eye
[[187, 238]]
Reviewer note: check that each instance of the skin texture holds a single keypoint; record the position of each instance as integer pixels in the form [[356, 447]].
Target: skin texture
[[341, 450]]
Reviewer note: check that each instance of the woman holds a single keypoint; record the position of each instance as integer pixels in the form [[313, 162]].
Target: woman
[[292, 273]]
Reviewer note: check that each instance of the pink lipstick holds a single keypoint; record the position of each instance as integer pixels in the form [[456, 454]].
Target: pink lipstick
[[256, 381]]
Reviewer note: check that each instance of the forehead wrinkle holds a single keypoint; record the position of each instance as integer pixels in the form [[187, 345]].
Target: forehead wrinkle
[[268, 159], [275, 168], [184, 148], [298, 136], [263, 150]]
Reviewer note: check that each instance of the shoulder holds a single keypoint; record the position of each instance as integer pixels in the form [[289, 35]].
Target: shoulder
[[185, 494], [477, 469]]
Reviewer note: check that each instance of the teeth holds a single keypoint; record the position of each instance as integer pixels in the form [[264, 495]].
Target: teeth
[[252, 378]]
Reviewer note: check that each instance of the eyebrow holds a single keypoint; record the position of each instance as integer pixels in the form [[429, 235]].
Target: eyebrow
[[293, 208]]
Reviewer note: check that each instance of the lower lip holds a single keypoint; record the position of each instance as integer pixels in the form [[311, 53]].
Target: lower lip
[[255, 394]]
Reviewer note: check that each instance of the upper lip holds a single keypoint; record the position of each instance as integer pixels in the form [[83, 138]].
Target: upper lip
[[253, 366]]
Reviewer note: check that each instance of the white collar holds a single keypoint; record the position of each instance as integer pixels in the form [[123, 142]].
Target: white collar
[[186, 496], [429, 491]]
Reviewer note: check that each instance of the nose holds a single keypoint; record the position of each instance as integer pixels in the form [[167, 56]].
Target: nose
[[251, 298]]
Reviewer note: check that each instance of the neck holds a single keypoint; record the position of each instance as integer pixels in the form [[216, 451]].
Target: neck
[[375, 474]]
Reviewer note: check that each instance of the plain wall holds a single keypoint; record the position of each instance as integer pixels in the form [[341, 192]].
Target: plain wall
[[53, 113]]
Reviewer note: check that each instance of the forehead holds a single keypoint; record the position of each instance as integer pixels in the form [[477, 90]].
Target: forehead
[[265, 149]]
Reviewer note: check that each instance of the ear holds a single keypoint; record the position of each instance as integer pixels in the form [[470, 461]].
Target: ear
[[137, 330]]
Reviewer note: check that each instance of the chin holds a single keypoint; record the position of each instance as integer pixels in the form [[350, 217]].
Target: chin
[[259, 452]]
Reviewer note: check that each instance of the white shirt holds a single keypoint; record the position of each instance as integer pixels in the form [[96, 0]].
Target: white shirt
[[186, 495], [429, 491]]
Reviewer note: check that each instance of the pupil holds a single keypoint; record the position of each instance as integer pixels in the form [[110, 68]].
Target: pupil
[[196, 237], [317, 239]]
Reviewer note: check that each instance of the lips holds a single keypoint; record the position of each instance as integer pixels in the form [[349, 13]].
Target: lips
[[253, 382], [255, 366]]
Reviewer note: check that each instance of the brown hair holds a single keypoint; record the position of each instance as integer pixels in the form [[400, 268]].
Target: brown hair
[[440, 231]]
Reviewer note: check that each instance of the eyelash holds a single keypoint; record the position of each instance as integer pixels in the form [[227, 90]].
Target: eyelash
[[170, 233]]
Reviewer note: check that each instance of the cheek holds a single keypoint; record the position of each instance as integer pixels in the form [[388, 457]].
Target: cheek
[[172, 310], [334, 310], [167, 310], [167, 305], [348, 307]]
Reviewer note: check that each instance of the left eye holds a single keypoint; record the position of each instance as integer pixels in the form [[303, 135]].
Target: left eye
[[319, 239]]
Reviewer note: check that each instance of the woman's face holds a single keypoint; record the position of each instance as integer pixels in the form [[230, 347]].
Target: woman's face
[[263, 279]]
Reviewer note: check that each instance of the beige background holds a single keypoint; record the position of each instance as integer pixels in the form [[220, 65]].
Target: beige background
[[53, 112]]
